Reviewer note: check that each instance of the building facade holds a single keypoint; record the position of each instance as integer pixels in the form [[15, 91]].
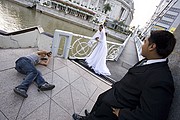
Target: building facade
[[166, 17], [121, 10]]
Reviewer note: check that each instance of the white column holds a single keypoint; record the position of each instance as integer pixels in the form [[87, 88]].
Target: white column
[[105, 1], [57, 40], [97, 4], [81, 2], [89, 2], [120, 7], [126, 15]]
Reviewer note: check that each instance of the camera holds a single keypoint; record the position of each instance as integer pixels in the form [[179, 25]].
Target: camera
[[49, 54]]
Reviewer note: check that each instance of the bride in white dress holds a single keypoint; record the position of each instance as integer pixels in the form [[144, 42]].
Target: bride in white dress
[[97, 60]]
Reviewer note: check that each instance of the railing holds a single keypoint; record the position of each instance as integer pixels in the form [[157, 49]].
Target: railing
[[28, 37], [138, 44], [75, 46], [121, 48]]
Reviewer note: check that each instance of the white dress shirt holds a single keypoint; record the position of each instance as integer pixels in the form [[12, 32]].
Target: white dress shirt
[[154, 61]]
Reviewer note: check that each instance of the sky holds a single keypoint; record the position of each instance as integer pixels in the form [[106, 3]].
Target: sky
[[143, 12]]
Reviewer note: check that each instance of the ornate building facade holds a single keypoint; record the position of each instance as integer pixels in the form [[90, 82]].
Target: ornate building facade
[[121, 10]]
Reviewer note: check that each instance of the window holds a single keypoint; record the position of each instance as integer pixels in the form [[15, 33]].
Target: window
[[175, 10], [170, 16]]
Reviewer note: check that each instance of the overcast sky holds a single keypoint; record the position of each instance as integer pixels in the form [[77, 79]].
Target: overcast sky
[[144, 9]]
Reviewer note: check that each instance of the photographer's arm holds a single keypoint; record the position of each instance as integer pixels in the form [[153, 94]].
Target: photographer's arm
[[42, 52], [45, 62]]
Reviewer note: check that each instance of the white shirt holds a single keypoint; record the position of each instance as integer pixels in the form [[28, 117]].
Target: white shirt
[[154, 61]]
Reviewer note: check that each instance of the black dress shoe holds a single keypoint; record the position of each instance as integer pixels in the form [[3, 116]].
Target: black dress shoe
[[46, 86], [20, 92], [79, 117], [86, 113]]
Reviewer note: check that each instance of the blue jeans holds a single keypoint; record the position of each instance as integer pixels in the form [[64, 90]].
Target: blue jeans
[[24, 66]]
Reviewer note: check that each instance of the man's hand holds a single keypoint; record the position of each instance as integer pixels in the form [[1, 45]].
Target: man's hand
[[116, 111], [45, 62]]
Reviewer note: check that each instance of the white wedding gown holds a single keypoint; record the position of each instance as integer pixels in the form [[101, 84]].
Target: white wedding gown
[[97, 59]]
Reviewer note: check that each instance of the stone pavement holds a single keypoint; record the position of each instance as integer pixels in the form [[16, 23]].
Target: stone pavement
[[75, 91]]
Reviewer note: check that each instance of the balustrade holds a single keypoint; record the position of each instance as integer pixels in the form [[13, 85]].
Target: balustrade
[[138, 44], [75, 46]]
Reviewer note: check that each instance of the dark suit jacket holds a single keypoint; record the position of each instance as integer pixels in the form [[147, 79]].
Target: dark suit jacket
[[144, 93]]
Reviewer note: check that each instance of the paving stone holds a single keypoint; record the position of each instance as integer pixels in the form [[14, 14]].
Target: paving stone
[[9, 56], [103, 85], [88, 107], [79, 100], [35, 99], [23, 51], [64, 99], [10, 104], [72, 75], [67, 74], [59, 83], [58, 113], [55, 64], [90, 87], [41, 113], [75, 91], [80, 86], [2, 117], [74, 67], [10, 79], [63, 72], [91, 78], [64, 61], [96, 94]]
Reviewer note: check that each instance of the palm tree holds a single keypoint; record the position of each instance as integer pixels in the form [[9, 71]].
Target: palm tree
[[107, 7]]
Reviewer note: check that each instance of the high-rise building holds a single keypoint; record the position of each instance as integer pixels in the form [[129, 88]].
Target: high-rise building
[[166, 16]]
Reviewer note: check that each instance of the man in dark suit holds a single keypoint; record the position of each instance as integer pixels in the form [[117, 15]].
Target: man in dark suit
[[146, 91]]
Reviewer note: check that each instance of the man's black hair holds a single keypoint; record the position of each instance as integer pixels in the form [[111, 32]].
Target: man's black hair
[[164, 40]]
